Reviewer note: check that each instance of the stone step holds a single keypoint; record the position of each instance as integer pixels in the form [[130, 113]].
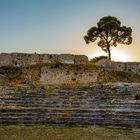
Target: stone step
[[79, 120], [71, 98], [95, 105], [72, 114], [71, 110], [68, 104]]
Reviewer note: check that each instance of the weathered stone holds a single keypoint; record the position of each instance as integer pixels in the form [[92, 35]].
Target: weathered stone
[[58, 93], [46, 58], [5, 59], [67, 75], [120, 66], [66, 58], [108, 105], [18, 59], [81, 59]]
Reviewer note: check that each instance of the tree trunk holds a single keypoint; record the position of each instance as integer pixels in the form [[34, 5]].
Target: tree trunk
[[109, 53], [108, 48]]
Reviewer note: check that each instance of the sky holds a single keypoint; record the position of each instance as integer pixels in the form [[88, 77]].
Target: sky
[[58, 26]]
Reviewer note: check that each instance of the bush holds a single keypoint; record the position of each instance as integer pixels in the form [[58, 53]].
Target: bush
[[11, 71], [96, 59]]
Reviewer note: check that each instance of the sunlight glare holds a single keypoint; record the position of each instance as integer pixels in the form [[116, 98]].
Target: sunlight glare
[[119, 56], [116, 55]]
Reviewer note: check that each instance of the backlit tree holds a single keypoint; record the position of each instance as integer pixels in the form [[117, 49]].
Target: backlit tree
[[110, 33]]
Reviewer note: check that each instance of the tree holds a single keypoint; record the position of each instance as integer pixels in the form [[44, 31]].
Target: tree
[[110, 33]]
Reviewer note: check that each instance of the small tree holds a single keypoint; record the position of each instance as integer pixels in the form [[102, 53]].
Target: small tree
[[110, 33]]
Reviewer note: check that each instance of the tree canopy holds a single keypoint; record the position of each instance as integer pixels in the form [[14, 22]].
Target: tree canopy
[[110, 33]]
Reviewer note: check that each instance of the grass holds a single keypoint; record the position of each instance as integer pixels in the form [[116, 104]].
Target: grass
[[123, 76], [65, 133]]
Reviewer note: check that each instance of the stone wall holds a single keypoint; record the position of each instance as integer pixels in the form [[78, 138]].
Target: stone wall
[[19, 59], [58, 73], [49, 74], [68, 75], [120, 66], [56, 93]]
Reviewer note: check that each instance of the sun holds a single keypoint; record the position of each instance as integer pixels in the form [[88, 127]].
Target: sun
[[119, 56], [116, 55]]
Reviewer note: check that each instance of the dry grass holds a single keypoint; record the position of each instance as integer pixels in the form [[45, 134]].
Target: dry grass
[[65, 133], [122, 76]]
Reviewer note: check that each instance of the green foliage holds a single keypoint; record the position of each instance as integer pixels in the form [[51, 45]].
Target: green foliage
[[11, 72], [110, 33], [57, 64], [96, 59]]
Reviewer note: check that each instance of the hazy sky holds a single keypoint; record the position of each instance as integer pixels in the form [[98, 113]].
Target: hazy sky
[[58, 26]]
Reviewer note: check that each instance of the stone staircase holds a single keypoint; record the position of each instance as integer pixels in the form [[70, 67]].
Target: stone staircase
[[107, 105]]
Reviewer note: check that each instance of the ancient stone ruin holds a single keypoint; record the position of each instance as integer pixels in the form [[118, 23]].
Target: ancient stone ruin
[[67, 89], [107, 105], [120, 66], [18, 59]]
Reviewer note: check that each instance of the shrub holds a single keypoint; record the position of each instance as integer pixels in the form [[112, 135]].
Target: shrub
[[11, 71], [57, 64], [96, 59]]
